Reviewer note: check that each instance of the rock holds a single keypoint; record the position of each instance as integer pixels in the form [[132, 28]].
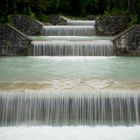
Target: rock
[[111, 25], [57, 20], [91, 17]]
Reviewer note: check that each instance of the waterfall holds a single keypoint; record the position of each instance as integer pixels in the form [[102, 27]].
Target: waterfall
[[68, 30], [77, 38], [81, 22], [77, 48], [70, 107]]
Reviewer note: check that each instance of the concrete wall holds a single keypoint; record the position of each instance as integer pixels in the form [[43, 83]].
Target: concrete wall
[[26, 25], [128, 42], [111, 25], [13, 42]]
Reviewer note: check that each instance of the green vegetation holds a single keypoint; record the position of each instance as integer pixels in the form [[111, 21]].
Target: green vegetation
[[78, 8]]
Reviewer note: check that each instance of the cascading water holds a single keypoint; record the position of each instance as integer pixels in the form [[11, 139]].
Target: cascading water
[[78, 40], [80, 22], [76, 101], [77, 48], [70, 108], [68, 30]]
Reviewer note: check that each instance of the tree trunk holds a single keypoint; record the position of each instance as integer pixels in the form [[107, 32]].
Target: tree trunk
[[131, 6]]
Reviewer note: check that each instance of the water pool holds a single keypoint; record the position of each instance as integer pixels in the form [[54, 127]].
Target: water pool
[[69, 73]]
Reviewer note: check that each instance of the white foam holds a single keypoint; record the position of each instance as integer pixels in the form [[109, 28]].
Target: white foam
[[70, 133]]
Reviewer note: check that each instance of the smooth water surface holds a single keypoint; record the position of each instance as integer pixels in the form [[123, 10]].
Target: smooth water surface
[[70, 38], [70, 133], [71, 72]]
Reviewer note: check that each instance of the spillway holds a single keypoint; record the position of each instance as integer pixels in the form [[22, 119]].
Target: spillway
[[81, 22], [68, 30], [70, 108], [75, 48]]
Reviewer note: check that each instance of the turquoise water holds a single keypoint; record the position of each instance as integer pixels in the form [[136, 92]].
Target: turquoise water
[[69, 72], [82, 68]]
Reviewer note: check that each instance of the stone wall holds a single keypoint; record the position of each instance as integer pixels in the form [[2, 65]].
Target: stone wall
[[26, 25], [128, 42], [111, 25], [13, 42]]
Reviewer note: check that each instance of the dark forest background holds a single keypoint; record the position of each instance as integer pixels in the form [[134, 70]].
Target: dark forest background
[[39, 9]]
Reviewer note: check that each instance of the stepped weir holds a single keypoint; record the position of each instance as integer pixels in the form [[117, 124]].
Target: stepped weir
[[77, 48], [68, 30], [80, 22], [69, 46], [77, 101]]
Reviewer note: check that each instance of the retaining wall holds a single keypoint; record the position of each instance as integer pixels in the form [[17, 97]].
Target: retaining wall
[[128, 42], [13, 42], [26, 25]]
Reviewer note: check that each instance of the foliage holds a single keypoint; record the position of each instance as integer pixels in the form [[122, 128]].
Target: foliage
[[134, 20], [78, 8]]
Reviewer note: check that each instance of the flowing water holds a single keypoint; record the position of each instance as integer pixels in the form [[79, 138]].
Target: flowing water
[[78, 38], [80, 22], [68, 30], [78, 48], [70, 108], [76, 100], [72, 46]]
